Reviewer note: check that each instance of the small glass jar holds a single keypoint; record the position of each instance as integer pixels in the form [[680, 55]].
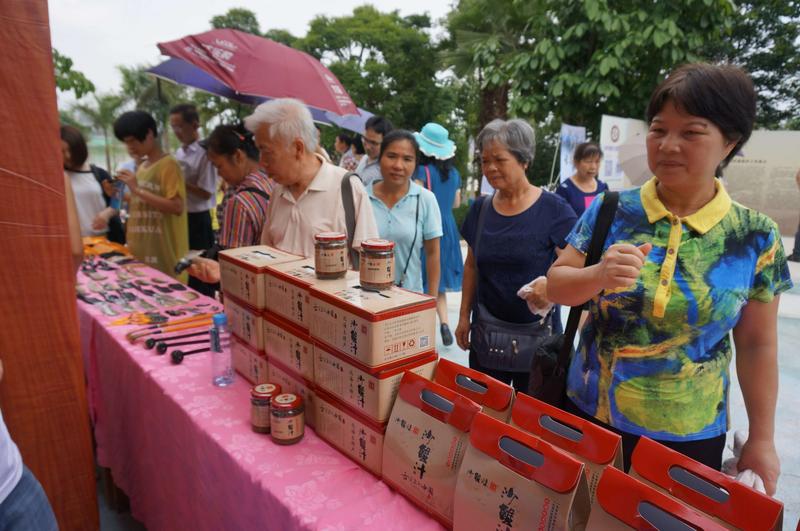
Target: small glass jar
[[330, 255], [287, 419], [260, 399], [377, 264]]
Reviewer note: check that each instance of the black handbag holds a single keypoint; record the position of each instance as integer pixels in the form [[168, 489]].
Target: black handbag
[[498, 344], [116, 230], [505, 346], [548, 380]]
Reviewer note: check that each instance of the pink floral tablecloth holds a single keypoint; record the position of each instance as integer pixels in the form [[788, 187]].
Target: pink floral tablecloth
[[184, 452]]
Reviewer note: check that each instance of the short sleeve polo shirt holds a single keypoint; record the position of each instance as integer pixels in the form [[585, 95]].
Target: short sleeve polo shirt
[[653, 357], [400, 223]]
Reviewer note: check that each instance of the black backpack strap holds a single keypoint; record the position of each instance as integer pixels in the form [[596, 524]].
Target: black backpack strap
[[101, 175], [257, 191], [605, 217], [486, 201], [350, 216]]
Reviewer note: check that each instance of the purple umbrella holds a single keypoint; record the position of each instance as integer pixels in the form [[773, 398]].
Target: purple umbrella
[[351, 122], [183, 73]]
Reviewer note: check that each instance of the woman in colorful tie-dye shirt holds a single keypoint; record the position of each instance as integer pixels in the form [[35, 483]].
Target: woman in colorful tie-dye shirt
[[683, 266]]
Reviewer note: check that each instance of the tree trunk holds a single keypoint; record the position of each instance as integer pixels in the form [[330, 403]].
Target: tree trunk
[[165, 133], [108, 150], [494, 104]]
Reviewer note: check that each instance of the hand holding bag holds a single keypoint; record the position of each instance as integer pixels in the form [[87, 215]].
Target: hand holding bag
[[551, 360]]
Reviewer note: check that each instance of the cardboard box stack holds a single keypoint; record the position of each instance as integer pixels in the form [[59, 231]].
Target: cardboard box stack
[[242, 272], [368, 391], [372, 327], [287, 285], [510, 479], [284, 328], [593, 445], [243, 279], [715, 494], [245, 322], [249, 362], [425, 442], [292, 382], [364, 341], [288, 345], [243, 283], [355, 435]]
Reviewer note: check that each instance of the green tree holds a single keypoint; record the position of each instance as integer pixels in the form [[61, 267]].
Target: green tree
[[68, 117], [282, 36], [574, 61], [68, 79], [765, 39], [593, 57], [147, 93], [483, 35], [101, 113], [237, 18], [216, 109], [386, 62]]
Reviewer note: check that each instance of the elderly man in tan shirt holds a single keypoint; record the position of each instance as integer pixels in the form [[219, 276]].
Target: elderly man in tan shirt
[[308, 199]]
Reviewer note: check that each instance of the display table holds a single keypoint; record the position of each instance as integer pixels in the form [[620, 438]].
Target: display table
[[184, 453]]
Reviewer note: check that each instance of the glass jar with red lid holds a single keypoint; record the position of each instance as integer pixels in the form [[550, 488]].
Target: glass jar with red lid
[[330, 255], [287, 419], [260, 400], [377, 264]]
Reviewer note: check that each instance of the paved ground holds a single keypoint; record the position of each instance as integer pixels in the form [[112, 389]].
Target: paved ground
[[787, 436], [787, 426]]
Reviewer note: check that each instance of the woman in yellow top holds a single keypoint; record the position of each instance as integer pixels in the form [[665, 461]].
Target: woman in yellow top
[[683, 266]]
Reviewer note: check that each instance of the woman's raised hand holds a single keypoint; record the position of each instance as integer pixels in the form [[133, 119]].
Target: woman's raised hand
[[621, 264]]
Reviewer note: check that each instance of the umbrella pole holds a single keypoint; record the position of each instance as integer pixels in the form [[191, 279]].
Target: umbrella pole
[[165, 117], [556, 156]]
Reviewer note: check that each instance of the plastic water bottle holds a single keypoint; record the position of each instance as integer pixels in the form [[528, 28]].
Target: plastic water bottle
[[221, 364]]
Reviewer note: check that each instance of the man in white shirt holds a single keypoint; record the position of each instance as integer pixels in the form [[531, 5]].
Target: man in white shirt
[[369, 167], [201, 182], [308, 198]]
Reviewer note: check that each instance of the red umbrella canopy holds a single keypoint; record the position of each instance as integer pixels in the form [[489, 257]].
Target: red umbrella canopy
[[257, 66]]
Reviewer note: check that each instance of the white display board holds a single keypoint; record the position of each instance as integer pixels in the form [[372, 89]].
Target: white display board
[[761, 176], [571, 136], [622, 142]]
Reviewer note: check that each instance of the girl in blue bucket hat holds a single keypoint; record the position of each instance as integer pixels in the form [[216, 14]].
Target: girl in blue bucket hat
[[437, 173]]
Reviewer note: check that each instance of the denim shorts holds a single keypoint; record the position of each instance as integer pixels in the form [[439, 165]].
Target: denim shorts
[[27, 507]]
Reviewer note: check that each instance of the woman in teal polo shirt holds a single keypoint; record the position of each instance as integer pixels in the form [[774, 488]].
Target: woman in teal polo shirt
[[683, 266], [406, 213]]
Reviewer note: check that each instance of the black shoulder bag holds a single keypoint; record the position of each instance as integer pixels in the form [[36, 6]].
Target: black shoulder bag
[[551, 360], [350, 217], [116, 231]]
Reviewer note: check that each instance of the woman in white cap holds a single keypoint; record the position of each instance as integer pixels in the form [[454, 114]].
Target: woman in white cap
[[437, 173]]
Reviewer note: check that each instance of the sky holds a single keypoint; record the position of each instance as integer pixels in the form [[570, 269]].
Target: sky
[[99, 35]]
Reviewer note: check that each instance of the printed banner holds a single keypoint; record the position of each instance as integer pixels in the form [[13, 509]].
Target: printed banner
[[571, 136]]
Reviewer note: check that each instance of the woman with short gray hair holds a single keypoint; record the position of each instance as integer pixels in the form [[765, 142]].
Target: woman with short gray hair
[[513, 237]]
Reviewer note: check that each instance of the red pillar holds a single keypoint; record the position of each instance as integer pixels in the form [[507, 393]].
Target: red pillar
[[42, 393]]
